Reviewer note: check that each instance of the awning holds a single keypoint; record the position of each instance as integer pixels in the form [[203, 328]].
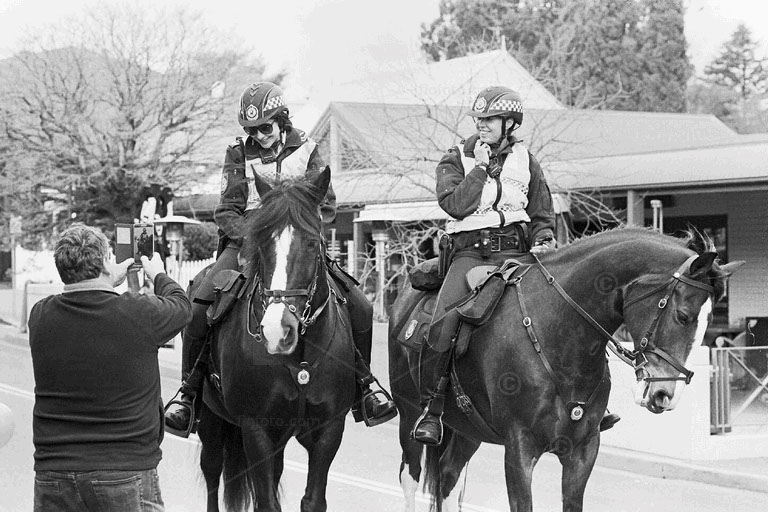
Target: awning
[[428, 210], [402, 212]]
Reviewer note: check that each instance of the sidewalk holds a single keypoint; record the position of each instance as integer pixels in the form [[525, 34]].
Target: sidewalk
[[747, 474]]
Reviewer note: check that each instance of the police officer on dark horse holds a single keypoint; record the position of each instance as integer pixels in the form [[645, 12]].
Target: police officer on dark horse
[[500, 207], [275, 150]]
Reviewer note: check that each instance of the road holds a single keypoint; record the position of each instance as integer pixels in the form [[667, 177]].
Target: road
[[364, 475]]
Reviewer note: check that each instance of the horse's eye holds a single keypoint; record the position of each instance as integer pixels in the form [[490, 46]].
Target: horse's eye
[[682, 317], [312, 243]]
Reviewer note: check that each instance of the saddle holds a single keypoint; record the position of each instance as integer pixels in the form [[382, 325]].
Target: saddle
[[487, 283]]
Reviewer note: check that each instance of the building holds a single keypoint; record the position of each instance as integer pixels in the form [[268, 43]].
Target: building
[[675, 169]]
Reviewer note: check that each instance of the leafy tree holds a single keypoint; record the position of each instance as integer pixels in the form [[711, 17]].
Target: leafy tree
[[107, 104], [589, 54], [738, 67], [664, 66]]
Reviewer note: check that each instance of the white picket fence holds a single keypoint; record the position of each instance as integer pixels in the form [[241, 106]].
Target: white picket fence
[[189, 270]]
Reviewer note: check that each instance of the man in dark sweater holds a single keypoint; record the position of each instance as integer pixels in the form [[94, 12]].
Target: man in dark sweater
[[97, 421]]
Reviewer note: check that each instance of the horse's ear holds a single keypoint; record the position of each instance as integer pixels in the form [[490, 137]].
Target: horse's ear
[[702, 264], [262, 187], [321, 182], [729, 268]]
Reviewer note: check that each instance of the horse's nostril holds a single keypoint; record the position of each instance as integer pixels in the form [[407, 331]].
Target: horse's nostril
[[661, 398]]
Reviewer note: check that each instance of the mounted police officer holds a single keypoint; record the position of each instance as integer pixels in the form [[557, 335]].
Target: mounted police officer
[[500, 207], [275, 150]]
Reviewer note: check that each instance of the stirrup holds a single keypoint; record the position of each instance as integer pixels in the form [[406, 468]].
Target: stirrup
[[193, 420], [372, 422], [419, 420]]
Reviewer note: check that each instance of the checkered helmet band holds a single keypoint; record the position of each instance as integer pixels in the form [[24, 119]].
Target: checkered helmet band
[[508, 106], [274, 102]]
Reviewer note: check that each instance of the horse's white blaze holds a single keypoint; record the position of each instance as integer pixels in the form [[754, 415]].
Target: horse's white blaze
[[274, 331], [702, 322], [644, 391], [410, 486]]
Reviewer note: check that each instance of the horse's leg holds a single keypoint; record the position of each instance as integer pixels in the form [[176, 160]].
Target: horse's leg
[[406, 396], [453, 464], [520, 457], [212, 454], [279, 464], [322, 444], [577, 466], [410, 465], [259, 452]]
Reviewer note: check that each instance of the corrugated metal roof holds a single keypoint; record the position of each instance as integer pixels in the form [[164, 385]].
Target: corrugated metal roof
[[412, 133], [724, 165]]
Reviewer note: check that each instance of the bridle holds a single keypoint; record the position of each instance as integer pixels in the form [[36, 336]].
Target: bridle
[[289, 297], [645, 345]]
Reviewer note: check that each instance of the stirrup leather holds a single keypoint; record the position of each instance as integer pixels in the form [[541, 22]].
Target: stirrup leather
[[193, 420]]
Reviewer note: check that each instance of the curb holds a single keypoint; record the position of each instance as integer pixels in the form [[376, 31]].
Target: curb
[[675, 469]]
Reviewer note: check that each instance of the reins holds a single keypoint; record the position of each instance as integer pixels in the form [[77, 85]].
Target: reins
[[644, 346]]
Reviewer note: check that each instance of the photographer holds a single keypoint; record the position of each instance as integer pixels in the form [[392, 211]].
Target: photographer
[[97, 420]]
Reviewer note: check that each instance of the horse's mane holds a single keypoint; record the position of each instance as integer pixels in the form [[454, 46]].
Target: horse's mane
[[289, 203], [690, 239]]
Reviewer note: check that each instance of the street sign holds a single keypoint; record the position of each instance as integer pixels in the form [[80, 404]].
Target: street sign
[[15, 227]]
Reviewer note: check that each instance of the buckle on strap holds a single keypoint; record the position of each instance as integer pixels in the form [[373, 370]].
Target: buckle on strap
[[495, 243]]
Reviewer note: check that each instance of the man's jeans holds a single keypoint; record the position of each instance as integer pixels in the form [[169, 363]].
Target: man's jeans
[[108, 491]]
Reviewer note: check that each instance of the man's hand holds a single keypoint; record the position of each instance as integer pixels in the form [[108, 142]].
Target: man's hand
[[118, 271], [153, 266]]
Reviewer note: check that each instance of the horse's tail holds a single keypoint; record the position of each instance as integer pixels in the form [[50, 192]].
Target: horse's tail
[[432, 479], [237, 482]]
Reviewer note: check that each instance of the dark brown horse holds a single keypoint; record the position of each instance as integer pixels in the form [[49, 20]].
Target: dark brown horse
[[284, 359], [536, 372]]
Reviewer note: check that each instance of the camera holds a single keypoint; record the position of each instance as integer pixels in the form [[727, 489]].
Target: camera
[[134, 241]]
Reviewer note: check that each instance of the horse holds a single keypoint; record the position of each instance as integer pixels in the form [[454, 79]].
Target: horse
[[535, 377], [283, 359]]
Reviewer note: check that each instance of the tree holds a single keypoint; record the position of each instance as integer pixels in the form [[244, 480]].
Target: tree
[[738, 67], [589, 54], [107, 104], [664, 65]]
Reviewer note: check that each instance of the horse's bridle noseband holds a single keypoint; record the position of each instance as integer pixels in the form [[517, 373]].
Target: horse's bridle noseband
[[643, 346]]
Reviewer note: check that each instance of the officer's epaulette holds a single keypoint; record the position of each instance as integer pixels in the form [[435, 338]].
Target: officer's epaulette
[[238, 141], [302, 135]]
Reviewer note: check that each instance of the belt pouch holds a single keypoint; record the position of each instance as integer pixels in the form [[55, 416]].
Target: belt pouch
[[227, 285], [485, 243], [446, 253]]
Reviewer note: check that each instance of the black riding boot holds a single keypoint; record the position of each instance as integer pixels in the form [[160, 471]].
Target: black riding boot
[[367, 406], [609, 420], [179, 420], [433, 370]]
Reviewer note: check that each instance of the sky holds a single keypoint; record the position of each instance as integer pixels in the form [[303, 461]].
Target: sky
[[322, 42]]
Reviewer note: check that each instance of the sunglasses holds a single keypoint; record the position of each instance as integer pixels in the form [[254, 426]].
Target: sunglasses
[[264, 129]]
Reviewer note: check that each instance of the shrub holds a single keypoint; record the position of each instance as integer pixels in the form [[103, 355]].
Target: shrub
[[200, 241]]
